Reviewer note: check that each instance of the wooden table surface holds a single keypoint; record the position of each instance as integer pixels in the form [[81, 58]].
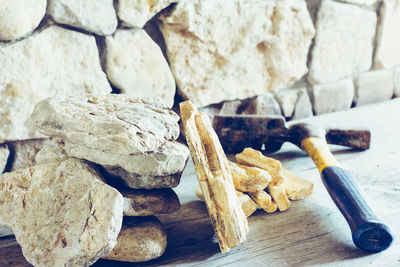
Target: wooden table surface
[[312, 231]]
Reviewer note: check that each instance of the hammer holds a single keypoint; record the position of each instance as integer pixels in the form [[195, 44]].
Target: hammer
[[237, 132]]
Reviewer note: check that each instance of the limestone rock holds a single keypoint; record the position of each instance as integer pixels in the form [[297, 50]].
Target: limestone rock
[[262, 105], [361, 2], [136, 65], [303, 107], [55, 61], [5, 231], [387, 52], [105, 126], [230, 107], [287, 100], [141, 239], [24, 153], [94, 16], [52, 150], [373, 87], [135, 13], [225, 50], [4, 153], [149, 202], [62, 214], [331, 97], [341, 47], [396, 79], [119, 177], [17, 18]]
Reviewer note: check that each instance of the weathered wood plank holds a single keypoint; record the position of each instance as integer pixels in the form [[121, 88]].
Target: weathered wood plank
[[312, 231]]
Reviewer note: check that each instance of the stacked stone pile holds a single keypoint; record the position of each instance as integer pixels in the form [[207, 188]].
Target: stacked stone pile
[[61, 209]]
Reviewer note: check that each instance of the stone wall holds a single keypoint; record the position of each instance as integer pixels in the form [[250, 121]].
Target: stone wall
[[292, 57]]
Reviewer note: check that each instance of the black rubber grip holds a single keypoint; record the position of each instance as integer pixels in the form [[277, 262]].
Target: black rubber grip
[[368, 231]]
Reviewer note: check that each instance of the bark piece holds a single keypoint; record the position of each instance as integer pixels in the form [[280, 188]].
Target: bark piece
[[212, 169], [106, 125], [248, 179], [248, 205], [149, 202], [264, 201], [141, 239], [279, 195], [61, 213], [296, 188], [251, 157], [24, 153]]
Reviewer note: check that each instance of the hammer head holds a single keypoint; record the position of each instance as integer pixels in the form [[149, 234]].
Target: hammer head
[[268, 133]]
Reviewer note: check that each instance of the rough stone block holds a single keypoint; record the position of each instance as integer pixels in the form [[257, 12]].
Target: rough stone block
[[18, 18], [387, 52], [55, 61], [396, 80], [332, 97], [24, 153], [373, 87], [4, 153], [262, 105], [343, 43], [287, 100], [136, 66], [226, 50], [93, 16], [303, 107]]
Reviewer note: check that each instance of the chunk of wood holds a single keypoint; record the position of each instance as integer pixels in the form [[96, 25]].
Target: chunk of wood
[[248, 205], [215, 179], [255, 158], [264, 201], [296, 188], [279, 195], [249, 179]]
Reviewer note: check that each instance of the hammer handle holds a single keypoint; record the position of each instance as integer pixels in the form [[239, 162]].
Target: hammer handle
[[368, 231]]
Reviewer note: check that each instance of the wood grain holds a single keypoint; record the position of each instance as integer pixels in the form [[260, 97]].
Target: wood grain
[[312, 231]]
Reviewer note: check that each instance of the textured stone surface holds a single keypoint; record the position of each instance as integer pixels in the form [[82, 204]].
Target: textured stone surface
[[333, 96], [119, 177], [361, 2], [388, 40], [4, 153], [141, 239], [287, 101], [396, 80], [106, 125], [230, 107], [136, 66], [24, 153], [17, 18], [168, 159], [62, 214], [303, 107], [341, 47], [93, 16], [149, 202], [374, 86], [55, 61], [52, 150], [263, 104], [225, 50], [135, 13]]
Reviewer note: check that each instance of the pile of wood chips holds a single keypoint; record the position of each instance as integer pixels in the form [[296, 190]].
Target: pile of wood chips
[[233, 191]]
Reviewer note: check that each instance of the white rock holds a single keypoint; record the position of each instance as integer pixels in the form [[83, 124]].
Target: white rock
[[263, 104], [230, 107], [62, 214], [332, 97], [343, 43], [19, 17], [55, 61], [387, 52], [396, 80], [373, 87], [53, 150], [135, 13], [287, 100], [4, 153], [136, 65], [107, 125], [225, 50], [94, 16], [361, 2], [24, 153], [303, 107]]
